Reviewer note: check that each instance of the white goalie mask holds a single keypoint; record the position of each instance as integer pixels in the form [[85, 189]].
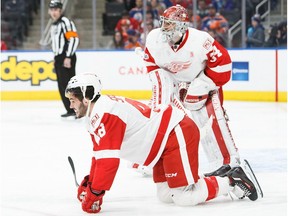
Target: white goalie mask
[[174, 23], [83, 81]]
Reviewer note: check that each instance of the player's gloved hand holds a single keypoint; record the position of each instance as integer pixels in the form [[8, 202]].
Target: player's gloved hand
[[92, 200], [82, 188]]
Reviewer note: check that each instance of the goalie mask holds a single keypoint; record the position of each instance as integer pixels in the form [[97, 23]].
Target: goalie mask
[[174, 23], [80, 83]]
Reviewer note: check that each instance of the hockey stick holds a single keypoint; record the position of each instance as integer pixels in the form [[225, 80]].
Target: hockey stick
[[73, 170]]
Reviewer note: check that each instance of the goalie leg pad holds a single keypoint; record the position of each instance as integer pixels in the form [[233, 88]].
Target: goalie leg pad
[[216, 138]]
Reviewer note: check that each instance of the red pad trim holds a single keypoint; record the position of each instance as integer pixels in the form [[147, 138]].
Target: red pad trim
[[217, 133], [212, 186]]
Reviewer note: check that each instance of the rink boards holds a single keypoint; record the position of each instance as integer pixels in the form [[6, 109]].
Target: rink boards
[[257, 75]]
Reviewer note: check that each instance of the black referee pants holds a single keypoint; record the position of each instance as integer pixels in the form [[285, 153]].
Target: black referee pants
[[63, 76]]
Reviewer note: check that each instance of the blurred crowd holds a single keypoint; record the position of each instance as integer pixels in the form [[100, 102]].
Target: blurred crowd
[[213, 16], [16, 18], [277, 34]]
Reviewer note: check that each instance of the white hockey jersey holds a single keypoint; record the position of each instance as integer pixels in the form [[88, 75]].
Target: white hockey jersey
[[122, 128], [197, 52], [168, 67]]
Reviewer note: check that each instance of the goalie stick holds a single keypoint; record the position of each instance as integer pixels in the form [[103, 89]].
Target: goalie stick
[[248, 170], [73, 170]]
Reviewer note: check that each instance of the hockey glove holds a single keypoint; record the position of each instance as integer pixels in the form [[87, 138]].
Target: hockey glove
[[92, 200], [82, 188]]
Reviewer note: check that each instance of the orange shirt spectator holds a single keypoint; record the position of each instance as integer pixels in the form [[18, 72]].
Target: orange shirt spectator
[[215, 21], [133, 40]]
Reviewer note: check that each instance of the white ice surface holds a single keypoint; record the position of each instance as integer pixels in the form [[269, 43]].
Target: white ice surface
[[36, 179]]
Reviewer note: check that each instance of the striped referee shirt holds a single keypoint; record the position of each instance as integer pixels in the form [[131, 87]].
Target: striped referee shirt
[[64, 37]]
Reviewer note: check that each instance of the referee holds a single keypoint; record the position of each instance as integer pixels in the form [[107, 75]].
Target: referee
[[64, 44]]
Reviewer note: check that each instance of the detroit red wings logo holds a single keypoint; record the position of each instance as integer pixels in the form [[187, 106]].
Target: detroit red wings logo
[[175, 67]]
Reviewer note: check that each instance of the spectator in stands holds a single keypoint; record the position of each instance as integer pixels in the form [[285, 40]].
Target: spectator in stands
[[137, 11], [218, 4], [152, 10], [255, 33], [125, 26], [3, 46], [202, 9], [283, 33], [150, 18], [158, 6], [274, 35], [129, 4], [133, 40], [277, 35], [16, 6], [215, 21], [14, 13], [117, 41], [134, 24]]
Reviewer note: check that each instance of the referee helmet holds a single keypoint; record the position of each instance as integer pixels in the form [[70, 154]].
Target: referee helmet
[[55, 4]]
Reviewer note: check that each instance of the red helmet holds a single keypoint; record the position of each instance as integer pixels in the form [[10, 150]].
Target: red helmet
[[174, 23], [176, 13]]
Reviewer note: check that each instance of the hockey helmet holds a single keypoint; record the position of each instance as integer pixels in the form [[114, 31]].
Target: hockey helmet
[[82, 81], [174, 23]]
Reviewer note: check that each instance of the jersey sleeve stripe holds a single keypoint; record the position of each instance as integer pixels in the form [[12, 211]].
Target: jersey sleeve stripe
[[106, 154], [222, 68]]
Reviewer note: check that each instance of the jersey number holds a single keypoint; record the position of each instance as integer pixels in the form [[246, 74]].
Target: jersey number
[[100, 132], [214, 54]]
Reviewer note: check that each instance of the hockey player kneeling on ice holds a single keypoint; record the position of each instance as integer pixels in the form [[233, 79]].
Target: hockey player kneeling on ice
[[118, 126]]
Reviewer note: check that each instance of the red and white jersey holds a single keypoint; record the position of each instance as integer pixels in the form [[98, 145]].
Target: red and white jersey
[[197, 52], [122, 128]]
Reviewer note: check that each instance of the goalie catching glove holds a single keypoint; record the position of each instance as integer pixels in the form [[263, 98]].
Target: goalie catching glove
[[92, 200], [195, 94]]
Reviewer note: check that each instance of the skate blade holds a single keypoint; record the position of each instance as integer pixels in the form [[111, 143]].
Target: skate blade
[[250, 173]]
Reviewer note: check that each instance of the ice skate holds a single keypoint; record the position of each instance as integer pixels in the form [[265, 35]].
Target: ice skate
[[220, 171], [239, 179]]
